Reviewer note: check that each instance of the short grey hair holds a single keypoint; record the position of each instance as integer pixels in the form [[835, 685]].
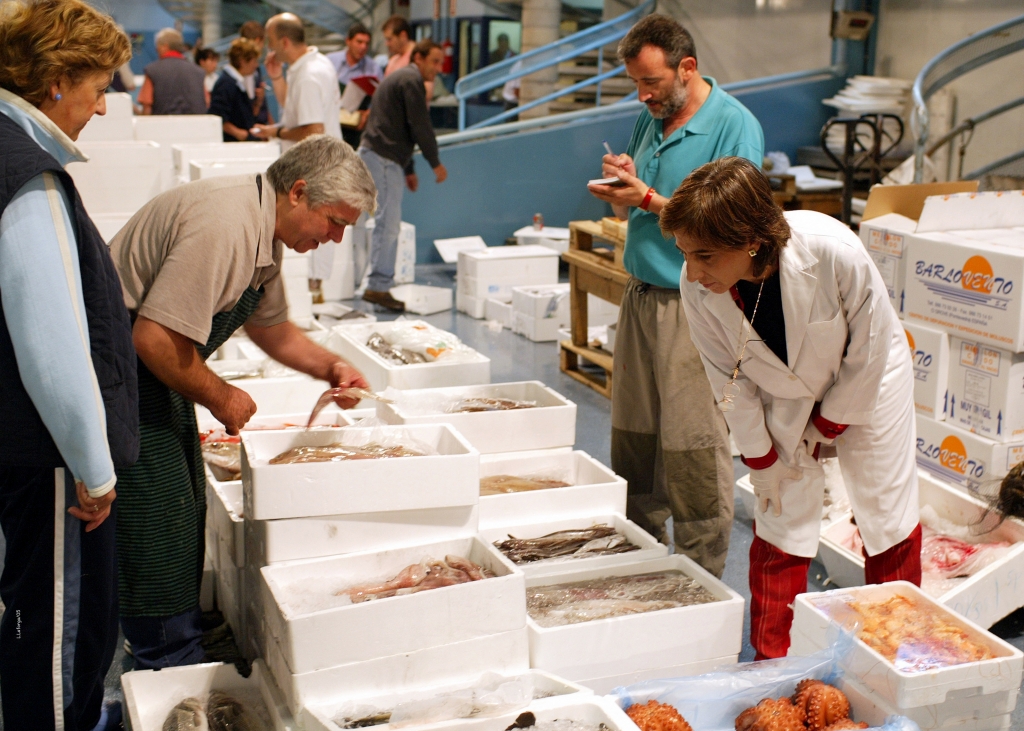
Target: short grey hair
[[333, 171], [170, 38]]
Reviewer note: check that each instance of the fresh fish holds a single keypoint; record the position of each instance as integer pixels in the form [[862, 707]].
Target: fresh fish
[[226, 713], [327, 398], [188, 715], [577, 543], [483, 403], [376, 719], [427, 574], [342, 452], [224, 458], [504, 484], [392, 353]]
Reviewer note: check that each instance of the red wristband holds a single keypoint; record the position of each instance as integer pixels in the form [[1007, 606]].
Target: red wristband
[[828, 429], [647, 198], [761, 463]]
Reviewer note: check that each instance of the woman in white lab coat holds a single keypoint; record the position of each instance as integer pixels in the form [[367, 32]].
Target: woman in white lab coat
[[804, 354]]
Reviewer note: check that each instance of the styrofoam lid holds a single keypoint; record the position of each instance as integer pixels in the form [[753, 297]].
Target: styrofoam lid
[[960, 211], [512, 252], [547, 232], [449, 248]]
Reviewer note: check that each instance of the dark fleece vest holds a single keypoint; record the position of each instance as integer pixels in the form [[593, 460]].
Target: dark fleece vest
[[24, 439]]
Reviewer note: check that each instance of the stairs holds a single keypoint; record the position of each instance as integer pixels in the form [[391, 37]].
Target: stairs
[[585, 66]]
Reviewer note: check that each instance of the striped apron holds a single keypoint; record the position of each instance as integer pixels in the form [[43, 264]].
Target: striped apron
[[162, 497]]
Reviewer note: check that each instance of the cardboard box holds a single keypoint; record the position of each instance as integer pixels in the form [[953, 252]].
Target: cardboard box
[[349, 341], [648, 545], [986, 390], [447, 478], [985, 598], [638, 642], [593, 487], [184, 153], [202, 169], [1001, 673], [332, 632], [551, 423], [889, 215], [120, 177], [958, 457], [929, 349]]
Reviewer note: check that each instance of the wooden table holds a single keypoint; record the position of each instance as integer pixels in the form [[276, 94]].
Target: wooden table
[[591, 271]]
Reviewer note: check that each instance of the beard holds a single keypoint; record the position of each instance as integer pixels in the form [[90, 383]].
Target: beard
[[672, 103]]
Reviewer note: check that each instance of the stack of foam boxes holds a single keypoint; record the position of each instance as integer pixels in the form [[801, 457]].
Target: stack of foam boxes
[[955, 275], [491, 273], [539, 312]]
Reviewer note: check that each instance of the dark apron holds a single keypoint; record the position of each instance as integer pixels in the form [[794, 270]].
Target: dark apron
[[162, 498]]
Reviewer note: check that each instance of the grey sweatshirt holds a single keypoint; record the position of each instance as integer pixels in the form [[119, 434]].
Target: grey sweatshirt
[[399, 119]]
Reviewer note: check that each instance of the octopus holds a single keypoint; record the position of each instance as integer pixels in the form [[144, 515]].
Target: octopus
[[654, 716], [772, 715], [823, 705], [846, 724]]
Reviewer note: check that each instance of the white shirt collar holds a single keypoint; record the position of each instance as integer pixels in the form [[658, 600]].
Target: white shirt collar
[[234, 74]]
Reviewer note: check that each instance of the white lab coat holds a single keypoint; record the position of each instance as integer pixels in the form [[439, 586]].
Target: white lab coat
[[848, 353]]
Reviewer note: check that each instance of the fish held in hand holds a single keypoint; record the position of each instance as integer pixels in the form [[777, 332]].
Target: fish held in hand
[[188, 715], [505, 484], [341, 453]]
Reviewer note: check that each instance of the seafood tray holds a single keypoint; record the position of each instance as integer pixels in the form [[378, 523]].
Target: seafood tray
[[649, 547], [349, 341], [591, 713], [505, 652], [593, 488], [606, 684], [319, 629], [984, 598], [149, 695], [551, 689], [550, 423], [448, 478], [638, 642], [811, 629], [962, 713], [294, 539]]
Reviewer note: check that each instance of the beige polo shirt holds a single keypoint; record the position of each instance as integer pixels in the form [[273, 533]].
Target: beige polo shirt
[[191, 252]]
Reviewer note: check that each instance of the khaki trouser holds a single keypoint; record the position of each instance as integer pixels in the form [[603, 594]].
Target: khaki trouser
[[669, 441]]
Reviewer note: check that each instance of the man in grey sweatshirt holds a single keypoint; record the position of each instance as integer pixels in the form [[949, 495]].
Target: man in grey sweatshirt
[[399, 119]]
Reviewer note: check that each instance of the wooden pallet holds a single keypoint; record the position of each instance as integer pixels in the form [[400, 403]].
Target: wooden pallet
[[571, 354]]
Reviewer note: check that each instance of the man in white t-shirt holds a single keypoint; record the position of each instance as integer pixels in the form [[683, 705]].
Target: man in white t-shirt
[[312, 105]]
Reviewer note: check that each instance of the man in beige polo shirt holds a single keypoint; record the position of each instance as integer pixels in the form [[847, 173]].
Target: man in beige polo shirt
[[196, 263]]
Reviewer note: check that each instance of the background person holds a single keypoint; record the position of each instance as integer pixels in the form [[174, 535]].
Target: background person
[[68, 389], [399, 120], [230, 100], [255, 85], [172, 85], [352, 63], [398, 40], [669, 441], [208, 60], [795, 300], [188, 296]]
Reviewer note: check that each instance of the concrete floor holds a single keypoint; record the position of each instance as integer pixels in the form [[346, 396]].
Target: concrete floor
[[514, 358]]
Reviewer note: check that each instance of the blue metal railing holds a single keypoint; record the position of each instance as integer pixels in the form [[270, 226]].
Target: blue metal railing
[[566, 49], [974, 51]]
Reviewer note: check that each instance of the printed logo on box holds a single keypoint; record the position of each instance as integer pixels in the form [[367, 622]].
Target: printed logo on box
[[973, 355], [1014, 456], [973, 284], [922, 360], [949, 461], [886, 242]]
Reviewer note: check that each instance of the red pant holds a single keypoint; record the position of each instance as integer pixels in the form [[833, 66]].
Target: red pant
[[776, 578]]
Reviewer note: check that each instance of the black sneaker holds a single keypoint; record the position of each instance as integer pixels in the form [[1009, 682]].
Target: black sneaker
[[383, 299]]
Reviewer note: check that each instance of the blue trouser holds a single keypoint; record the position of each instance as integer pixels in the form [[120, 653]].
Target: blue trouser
[[165, 642], [59, 587], [389, 177]]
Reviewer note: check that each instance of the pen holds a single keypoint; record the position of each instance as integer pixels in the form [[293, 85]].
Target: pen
[[607, 147]]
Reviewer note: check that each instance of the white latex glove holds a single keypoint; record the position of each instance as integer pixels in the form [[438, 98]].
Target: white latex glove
[[766, 484], [812, 438]]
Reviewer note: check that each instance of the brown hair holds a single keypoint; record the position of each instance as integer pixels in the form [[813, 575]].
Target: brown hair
[[728, 204], [242, 50], [252, 29], [45, 41], [423, 48], [661, 32], [397, 24], [286, 25]]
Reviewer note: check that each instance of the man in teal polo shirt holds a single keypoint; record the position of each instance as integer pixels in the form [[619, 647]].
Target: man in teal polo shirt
[[668, 439]]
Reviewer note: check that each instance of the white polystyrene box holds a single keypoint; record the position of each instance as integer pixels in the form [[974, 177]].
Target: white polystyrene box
[[957, 456], [491, 273], [473, 306], [986, 390], [273, 396], [448, 477], [593, 488], [536, 329], [405, 255], [549, 690], [500, 311], [202, 169], [226, 513], [648, 545], [230, 595], [884, 238], [108, 224], [314, 639], [341, 284], [506, 653], [349, 341], [115, 125], [184, 153], [929, 349], [906, 689], [420, 299], [592, 712], [607, 683], [207, 585], [639, 641], [149, 695], [292, 539], [552, 237], [551, 423], [543, 301], [170, 129], [610, 345], [984, 598], [120, 177]]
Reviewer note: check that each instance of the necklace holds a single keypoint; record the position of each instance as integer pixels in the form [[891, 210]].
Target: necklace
[[730, 390]]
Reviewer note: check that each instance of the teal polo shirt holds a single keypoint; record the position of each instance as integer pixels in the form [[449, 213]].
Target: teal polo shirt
[[722, 127]]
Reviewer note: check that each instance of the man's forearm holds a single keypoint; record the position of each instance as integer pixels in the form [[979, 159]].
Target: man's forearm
[[173, 359], [294, 134], [287, 344]]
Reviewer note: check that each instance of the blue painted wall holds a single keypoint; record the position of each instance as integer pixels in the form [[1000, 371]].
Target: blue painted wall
[[141, 19], [495, 186]]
